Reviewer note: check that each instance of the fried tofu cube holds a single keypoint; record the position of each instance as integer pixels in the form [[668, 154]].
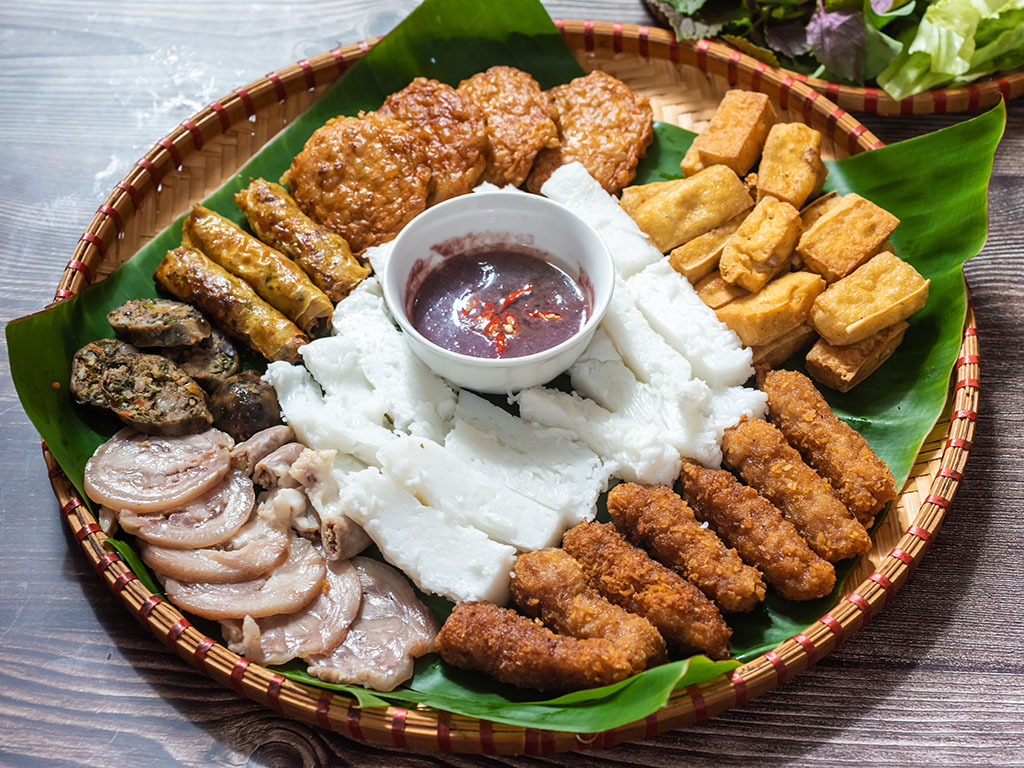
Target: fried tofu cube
[[775, 353], [687, 208], [815, 209], [633, 197], [762, 245], [716, 293], [843, 368], [737, 131], [782, 305], [791, 168], [874, 296], [691, 162], [699, 257], [845, 237]]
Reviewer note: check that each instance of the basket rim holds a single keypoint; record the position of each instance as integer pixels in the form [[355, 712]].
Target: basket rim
[[414, 728]]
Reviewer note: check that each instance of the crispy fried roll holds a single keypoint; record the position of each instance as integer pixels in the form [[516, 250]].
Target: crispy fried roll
[[276, 278], [860, 479], [230, 303], [548, 584], [749, 522], [655, 518], [325, 256], [524, 653], [766, 462], [628, 577]]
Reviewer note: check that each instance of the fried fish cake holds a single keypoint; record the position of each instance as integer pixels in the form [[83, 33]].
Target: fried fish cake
[[451, 127], [362, 177], [520, 121], [525, 653], [549, 584], [603, 124]]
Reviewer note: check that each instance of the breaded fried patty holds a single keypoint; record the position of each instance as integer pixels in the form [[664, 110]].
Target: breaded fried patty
[[655, 518], [452, 129], [628, 577], [549, 584], [523, 652], [603, 124], [519, 121], [364, 178]]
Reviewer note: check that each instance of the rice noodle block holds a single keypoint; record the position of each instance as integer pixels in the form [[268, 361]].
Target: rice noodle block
[[441, 479], [631, 451], [438, 553], [674, 310], [545, 464]]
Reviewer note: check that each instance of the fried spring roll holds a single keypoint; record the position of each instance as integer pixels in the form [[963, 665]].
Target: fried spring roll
[[861, 480], [549, 584], [628, 577], [325, 256], [230, 303], [766, 462], [657, 519], [524, 653], [276, 278], [749, 522]]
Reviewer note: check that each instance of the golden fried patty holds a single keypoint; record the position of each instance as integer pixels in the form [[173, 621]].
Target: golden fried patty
[[452, 129], [519, 121], [603, 124], [362, 177]]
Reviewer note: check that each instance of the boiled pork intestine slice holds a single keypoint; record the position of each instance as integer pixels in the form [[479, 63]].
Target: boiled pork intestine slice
[[392, 628], [341, 537], [259, 545], [150, 474], [319, 627], [283, 590], [272, 471], [203, 521], [246, 455]]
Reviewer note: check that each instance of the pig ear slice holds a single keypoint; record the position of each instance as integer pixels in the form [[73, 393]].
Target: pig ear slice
[[150, 474], [319, 627], [284, 590], [210, 519]]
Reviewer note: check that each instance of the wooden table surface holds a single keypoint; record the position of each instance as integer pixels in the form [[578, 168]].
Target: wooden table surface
[[936, 679]]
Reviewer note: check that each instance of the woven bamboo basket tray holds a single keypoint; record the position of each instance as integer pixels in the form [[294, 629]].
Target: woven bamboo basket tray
[[684, 83]]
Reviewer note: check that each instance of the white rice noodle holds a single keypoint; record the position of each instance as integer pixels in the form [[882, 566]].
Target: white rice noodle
[[572, 186], [441, 479], [417, 400], [674, 310], [545, 464], [324, 422], [726, 407], [439, 554], [334, 363], [378, 258], [630, 451]]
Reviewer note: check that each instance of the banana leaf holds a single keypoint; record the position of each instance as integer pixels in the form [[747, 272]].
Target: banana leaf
[[936, 184]]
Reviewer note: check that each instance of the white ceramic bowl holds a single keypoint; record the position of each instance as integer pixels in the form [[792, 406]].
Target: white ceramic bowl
[[492, 220]]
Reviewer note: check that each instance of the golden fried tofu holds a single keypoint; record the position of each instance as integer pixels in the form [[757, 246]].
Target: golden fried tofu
[[520, 121], [775, 353], [691, 162], [791, 168], [715, 292], [363, 178], [817, 208], [762, 245], [737, 131], [451, 127], [843, 368], [603, 124], [846, 236], [633, 197], [687, 208], [875, 296], [699, 257], [778, 308]]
